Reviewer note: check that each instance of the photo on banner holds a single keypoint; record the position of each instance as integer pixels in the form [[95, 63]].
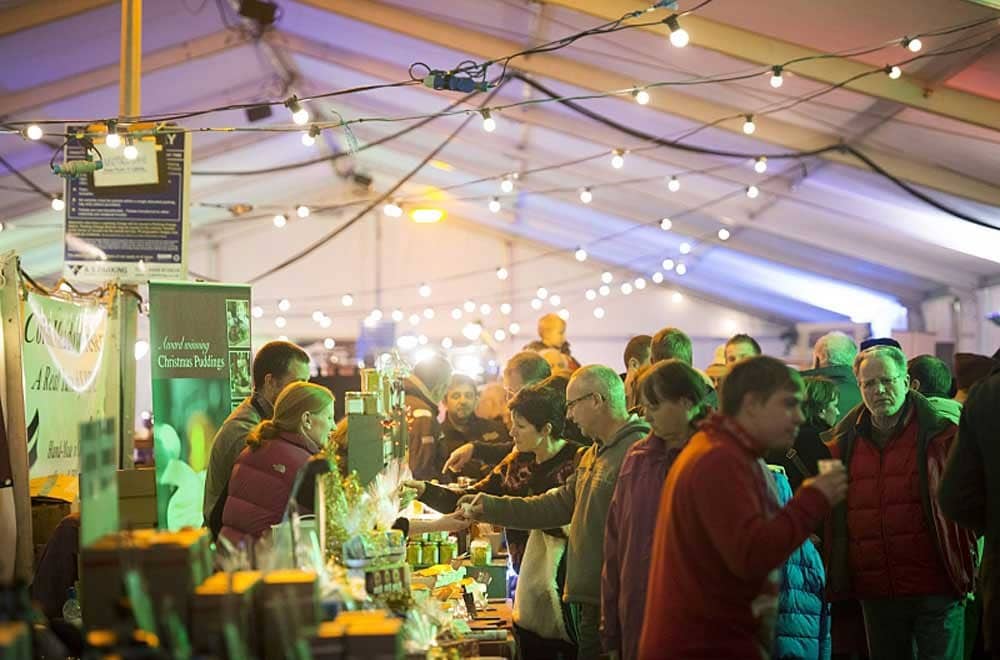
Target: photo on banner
[[71, 377], [201, 370]]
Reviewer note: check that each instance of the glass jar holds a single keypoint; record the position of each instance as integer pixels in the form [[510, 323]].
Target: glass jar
[[413, 553], [481, 552], [449, 549], [430, 554]]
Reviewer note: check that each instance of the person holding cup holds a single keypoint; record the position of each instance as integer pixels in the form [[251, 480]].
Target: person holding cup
[[722, 535]]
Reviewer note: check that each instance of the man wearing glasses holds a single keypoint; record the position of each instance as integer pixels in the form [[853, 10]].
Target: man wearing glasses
[[595, 400], [890, 545]]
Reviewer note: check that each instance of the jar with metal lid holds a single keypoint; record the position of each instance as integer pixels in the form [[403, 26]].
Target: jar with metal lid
[[449, 549], [413, 553], [430, 554]]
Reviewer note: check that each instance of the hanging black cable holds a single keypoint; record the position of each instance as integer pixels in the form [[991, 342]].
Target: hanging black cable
[[374, 203], [841, 147]]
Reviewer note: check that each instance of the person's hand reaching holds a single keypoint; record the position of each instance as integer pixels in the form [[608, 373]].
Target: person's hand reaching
[[459, 458]]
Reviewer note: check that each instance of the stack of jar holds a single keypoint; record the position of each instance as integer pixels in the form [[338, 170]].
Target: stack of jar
[[431, 548]]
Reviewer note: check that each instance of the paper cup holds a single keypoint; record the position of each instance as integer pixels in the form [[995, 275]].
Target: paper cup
[[828, 465]]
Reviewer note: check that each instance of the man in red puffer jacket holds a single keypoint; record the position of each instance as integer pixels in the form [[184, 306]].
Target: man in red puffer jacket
[[889, 545]]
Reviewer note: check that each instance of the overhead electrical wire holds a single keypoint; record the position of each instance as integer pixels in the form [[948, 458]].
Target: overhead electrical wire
[[370, 206]]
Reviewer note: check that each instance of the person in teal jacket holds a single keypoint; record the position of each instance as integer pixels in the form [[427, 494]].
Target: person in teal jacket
[[803, 628]]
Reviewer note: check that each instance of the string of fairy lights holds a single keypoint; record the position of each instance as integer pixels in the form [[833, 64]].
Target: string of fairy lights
[[473, 77]]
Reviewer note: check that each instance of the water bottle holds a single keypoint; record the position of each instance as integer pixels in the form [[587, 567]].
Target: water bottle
[[71, 609]]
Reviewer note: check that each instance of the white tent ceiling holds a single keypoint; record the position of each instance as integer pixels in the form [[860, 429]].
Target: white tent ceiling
[[826, 240]]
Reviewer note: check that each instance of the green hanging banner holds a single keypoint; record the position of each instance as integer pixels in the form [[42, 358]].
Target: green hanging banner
[[199, 337]]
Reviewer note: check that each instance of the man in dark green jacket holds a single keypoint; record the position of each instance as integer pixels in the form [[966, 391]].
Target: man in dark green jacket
[[970, 492], [595, 400], [833, 358]]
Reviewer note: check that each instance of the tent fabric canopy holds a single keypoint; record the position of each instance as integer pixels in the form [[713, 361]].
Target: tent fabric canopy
[[826, 240]]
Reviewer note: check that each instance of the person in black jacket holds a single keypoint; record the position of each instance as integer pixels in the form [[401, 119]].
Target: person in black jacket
[[969, 494], [820, 410]]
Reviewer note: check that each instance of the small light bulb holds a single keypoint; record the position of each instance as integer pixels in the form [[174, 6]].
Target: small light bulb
[[674, 184], [626, 288], [500, 335], [301, 116], [685, 248], [580, 254], [280, 321], [284, 305], [58, 204], [469, 306], [376, 315], [776, 78], [489, 123], [542, 293], [506, 309], [318, 316], [502, 273], [641, 96], [131, 152], [657, 277], [308, 140], [514, 328], [677, 297], [302, 211], [329, 343], [586, 196], [724, 234], [428, 313], [447, 343], [456, 313], [678, 35], [325, 322], [280, 220], [667, 264], [599, 312], [639, 283], [895, 72], [257, 311], [393, 210], [681, 269], [760, 165], [424, 290], [564, 314], [914, 44], [748, 126], [414, 319], [605, 290], [617, 160], [590, 294], [555, 300], [536, 304], [666, 224], [607, 277], [752, 191], [485, 309], [507, 185], [34, 132], [347, 300], [495, 205], [113, 140], [397, 315]]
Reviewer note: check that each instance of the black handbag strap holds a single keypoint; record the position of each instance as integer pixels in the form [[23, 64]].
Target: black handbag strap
[[793, 456]]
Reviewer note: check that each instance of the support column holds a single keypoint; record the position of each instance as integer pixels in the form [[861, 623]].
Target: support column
[[130, 77]]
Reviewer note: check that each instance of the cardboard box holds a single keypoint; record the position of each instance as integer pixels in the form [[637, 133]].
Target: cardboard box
[[172, 564], [137, 498], [15, 641], [287, 609], [367, 635], [222, 597]]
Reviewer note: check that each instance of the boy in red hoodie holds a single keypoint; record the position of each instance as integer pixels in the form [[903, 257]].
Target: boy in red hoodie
[[721, 536]]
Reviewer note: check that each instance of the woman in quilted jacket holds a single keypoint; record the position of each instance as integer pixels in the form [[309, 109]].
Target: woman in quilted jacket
[[803, 628], [265, 471]]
